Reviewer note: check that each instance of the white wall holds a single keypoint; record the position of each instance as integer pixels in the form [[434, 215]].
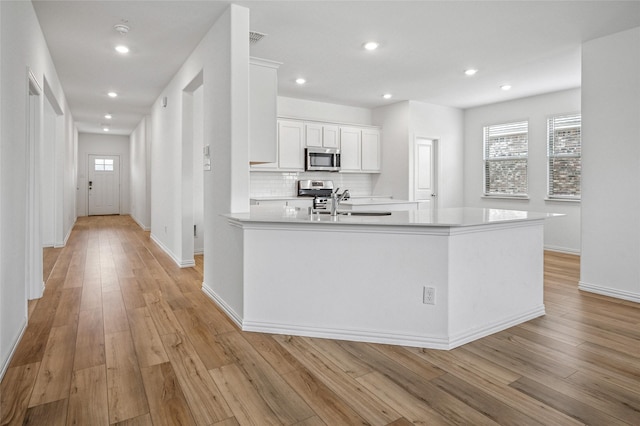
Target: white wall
[[140, 191], [401, 124], [561, 234], [611, 165], [394, 179], [91, 143], [223, 59], [322, 111], [22, 47], [446, 125]]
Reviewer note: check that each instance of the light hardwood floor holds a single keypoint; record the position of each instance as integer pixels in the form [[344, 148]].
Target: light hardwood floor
[[124, 336]]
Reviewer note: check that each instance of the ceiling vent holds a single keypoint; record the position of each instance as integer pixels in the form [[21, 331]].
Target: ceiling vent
[[255, 37]]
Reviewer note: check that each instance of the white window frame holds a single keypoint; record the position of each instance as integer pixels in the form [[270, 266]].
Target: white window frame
[[510, 128], [552, 124]]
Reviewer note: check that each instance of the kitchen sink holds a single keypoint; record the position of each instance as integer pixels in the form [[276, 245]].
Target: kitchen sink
[[357, 213]]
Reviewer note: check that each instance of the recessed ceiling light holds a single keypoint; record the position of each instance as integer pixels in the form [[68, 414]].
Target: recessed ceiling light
[[387, 95], [371, 45], [506, 87], [301, 80], [105, 129], [470, 71], [112, 94], [108, 116], [122, 49]]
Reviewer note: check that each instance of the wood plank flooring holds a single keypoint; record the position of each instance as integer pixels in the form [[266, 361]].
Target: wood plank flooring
[[123, 336]]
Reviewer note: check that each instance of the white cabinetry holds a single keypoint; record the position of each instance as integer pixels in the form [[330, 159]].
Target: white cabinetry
[[290, 145], [263, 94], [359, 146], [360, 149], [322, 135], [290, 148], [350, 148], [371, 150]]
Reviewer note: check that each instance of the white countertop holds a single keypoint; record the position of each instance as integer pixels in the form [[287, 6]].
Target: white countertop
[[355, 201], [355, 198], [452, 217]]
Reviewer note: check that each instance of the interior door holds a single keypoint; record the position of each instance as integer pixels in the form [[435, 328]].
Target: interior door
[[425, 185], [104, 184]]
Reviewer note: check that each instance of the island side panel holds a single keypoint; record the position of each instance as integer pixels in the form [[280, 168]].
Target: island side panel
[[496, 278], [355, 283]]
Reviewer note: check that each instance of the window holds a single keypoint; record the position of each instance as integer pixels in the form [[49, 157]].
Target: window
[[506, 148], [564, 153], [103, 165]]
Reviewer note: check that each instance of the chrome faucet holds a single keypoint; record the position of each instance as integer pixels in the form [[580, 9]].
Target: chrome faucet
[[337, 199]]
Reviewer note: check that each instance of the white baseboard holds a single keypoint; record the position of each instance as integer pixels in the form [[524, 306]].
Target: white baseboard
[[233, 315], [469, 336], [377, 336], [140, 224], [181, 263], [371, 336], [14, 346], [611, 292], [562, 250]]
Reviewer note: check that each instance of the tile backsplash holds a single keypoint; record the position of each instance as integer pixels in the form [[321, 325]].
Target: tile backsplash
[[283, 184]]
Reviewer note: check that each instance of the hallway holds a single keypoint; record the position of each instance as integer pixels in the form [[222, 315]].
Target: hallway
[[124, 336]]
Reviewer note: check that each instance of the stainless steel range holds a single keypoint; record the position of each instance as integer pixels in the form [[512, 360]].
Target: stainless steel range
[[320, 190]]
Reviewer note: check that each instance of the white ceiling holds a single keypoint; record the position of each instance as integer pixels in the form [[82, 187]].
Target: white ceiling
[[424, 48]]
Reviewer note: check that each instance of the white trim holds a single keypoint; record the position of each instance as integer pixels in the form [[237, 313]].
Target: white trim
[[469, 336], [181, 263], [356, 335], [566, 250], [436, 230], [375, 336], [14, 346], [139, 223], [228, 310], [66, 238], [507, 197], [563, 200], [314, 120], [608, 291]]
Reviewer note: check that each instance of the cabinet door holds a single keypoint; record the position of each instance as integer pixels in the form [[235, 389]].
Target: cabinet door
[[313, 134], [370, 150], [290, 145], [330, 136], [350, 138]]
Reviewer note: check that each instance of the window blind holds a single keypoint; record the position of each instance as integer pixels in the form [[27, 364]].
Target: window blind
[[506, 148], [564, 154]]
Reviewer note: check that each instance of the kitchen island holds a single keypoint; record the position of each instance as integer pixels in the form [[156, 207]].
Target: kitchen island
[[426, 278]]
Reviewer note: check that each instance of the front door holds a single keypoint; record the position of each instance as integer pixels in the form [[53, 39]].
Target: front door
[[425, 172], [104, 184]]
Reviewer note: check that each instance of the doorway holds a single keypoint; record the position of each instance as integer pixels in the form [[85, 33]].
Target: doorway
[[103, 185], [193, 171], [33, 246], [425, 172]]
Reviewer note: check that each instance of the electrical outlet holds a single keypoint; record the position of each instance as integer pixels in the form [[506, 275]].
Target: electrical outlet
[[429, 295]]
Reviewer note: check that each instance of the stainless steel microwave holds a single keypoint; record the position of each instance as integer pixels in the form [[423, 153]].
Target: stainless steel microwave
[[322, 159]]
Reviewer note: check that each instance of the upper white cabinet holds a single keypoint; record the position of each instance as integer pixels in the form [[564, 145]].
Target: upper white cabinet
[[371, 150], [290, 145], [322, 135], [350, 148], [359, 149], [263, 97], [359, 146]]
